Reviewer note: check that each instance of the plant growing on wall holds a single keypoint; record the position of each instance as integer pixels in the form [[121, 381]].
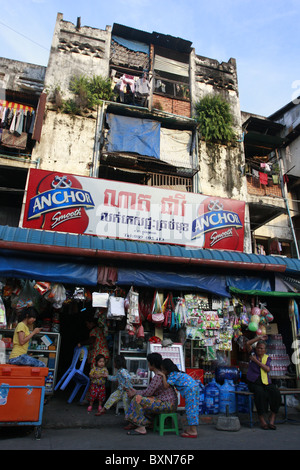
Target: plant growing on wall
[[88, 93], [215, 119]]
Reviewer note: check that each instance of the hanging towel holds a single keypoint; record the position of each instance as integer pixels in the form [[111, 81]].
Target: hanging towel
[[263, 178], [264, 375]]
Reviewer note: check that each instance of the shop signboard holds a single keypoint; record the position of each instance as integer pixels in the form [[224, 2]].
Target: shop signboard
[[111, 209]]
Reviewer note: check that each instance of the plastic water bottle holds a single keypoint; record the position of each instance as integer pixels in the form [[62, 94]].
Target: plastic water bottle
[[212, 397], [227, 397]]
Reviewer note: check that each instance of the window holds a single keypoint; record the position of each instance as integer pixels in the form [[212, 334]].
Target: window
[[172, 76]]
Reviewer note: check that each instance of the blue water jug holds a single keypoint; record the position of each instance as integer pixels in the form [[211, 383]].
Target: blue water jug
[[242, 401], [212, 397], [201, 399], [227, 398]]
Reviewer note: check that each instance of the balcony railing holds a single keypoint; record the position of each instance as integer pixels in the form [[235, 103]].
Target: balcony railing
[[256, 187]]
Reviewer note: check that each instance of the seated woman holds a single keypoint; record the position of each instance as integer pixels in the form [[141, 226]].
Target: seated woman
[[155, 399], [21, 339], [259, 382]]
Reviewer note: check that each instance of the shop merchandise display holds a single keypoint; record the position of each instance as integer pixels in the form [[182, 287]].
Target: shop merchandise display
[[280, 359], [210, 323], [206, 326]]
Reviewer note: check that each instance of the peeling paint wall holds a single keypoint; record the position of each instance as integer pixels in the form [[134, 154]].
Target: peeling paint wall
[[220, 166], [67, 144]]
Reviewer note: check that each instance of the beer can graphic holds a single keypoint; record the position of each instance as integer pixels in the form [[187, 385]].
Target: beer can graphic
[[58, 202], [220, 223]]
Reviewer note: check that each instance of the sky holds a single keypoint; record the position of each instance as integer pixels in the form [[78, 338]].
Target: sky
[[262, 35]]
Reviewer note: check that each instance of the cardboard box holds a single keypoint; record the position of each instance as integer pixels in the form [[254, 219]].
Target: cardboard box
[[272, 329]]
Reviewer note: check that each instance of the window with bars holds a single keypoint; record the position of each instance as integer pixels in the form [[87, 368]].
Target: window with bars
[[159, 179]]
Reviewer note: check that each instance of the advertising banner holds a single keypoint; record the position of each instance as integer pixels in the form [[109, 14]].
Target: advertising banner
[[111, 209]]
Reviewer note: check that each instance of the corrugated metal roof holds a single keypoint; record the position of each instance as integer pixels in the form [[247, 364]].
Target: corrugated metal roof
[[87, 242]]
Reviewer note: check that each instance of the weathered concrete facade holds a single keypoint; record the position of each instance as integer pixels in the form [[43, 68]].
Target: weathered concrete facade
[[69, 56], [76, 50], [21, 77], [68, 143]]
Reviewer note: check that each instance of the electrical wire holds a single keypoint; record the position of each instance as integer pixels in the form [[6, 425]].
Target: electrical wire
[[26, 37]]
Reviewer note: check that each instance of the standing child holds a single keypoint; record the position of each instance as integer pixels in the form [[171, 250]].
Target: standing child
[[188, 388], [98, 375], [124, 383]]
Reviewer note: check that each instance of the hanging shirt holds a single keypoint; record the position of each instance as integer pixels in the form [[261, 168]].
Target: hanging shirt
[[142, 86], [127, 80], [19, 122], [263, 178]]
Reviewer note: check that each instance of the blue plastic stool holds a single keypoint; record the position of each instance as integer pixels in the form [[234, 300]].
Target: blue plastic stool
[[162, 423], [76, 374]]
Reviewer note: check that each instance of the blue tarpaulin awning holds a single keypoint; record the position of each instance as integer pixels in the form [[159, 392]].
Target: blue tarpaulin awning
[[48, 270], [67, 253], [171, 280], [247, 283], [135, 46]]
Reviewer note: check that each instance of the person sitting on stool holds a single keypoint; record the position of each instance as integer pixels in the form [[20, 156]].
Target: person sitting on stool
[[259, 382]]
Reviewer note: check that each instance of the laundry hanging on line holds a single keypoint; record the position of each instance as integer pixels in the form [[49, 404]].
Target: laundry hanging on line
[[263, 178]]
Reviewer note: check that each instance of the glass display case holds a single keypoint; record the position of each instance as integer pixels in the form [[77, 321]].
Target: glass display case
[[138, 369], [130, 344], [45, 346], [134, 351]]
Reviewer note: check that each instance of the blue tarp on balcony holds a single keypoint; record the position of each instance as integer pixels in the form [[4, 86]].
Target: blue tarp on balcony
[[133, 135]]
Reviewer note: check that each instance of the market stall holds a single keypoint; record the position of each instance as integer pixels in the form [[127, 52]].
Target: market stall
[[211, 329]]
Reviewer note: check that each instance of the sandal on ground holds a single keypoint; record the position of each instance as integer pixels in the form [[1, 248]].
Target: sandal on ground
[[129, 426], [186, 434], [133, 432], [265, 427], [272, 426], [100, 412]]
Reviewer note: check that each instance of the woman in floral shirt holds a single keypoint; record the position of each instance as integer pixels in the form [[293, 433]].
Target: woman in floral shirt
[[97, 342], [155, 399]]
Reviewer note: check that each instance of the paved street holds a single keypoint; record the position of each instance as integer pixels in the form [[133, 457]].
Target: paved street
[[113, 438], [71, 427]]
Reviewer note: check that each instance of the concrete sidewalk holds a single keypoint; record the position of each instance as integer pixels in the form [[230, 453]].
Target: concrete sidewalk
[[58, 414], [70, 427]]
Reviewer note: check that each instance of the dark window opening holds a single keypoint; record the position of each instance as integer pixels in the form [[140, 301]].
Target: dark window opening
[[12, 187]]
